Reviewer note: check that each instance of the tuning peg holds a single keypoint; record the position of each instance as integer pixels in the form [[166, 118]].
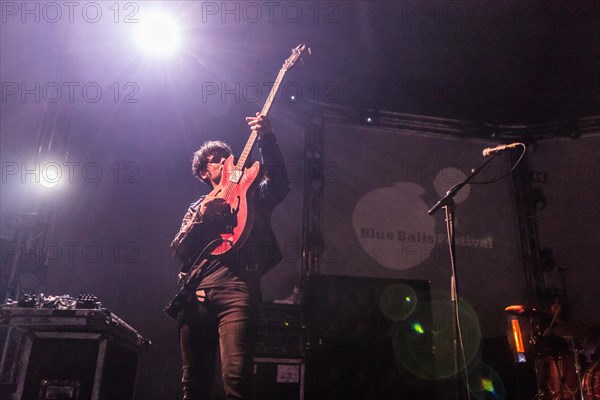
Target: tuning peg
[[308, 50]]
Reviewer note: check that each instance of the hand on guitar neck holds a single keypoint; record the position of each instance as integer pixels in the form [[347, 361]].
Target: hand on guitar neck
[[260, 124]]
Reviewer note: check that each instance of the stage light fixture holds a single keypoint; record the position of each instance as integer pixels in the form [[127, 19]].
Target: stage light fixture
[[158, 34], [369, 117], [49, 177]]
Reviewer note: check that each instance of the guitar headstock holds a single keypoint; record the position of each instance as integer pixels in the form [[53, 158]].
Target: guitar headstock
[[296, 55]]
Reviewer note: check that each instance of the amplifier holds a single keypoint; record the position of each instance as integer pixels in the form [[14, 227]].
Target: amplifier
[[279, 378], [356, 311], [67, 354], [368, 338], [280, 331]]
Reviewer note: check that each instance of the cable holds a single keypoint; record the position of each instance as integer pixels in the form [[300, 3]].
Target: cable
[[510, 171]]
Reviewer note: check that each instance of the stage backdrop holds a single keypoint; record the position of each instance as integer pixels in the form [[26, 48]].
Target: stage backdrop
[[379, 185], [568, 223]]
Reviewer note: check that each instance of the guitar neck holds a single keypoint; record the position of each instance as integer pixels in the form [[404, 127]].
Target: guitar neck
[[265, 111]]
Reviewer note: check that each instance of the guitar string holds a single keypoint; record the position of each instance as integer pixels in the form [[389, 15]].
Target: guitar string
[[229, 187]]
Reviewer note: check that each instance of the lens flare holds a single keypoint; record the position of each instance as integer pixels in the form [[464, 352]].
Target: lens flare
[[427, 351], [484, 383], [418, 328], [398, 301], [487, 385]]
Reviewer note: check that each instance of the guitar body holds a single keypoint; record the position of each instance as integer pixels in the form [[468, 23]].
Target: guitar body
[[237, 189]]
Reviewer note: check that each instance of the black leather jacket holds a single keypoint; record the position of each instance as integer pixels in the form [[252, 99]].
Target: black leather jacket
[[260, 252]]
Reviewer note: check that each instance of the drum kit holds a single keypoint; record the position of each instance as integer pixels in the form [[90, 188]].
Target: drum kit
[[565, 354]]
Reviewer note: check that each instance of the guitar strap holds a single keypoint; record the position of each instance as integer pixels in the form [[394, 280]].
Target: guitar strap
[[190, 281]]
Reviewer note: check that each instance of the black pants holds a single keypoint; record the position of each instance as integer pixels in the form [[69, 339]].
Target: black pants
[[225, 317]]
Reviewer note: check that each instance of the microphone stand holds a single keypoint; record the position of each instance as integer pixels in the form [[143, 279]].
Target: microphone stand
[[447, 202]]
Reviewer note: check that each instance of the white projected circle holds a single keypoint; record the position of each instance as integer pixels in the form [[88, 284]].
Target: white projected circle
[[393, 227]]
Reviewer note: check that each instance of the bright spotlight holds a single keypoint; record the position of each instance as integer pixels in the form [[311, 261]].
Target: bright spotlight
[[158, 34], [50, 175]]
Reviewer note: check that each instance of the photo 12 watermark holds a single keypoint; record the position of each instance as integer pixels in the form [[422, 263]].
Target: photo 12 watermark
[[54, 12], [71, 92], [454, 12], [68, 252], [254, 92], [326, 12], [50, 174]]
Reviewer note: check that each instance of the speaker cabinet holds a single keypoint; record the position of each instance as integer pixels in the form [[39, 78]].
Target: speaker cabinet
[[279, 378], [368, 338]]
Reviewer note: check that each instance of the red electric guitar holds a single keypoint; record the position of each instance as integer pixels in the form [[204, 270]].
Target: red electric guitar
[[238, 183]]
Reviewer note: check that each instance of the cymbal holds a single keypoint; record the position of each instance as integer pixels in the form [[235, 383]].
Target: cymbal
[[572, 330]]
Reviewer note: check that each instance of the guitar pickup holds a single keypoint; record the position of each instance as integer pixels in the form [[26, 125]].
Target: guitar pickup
[[235, 176]]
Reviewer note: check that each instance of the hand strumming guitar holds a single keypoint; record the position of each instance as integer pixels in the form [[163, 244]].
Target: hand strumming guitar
[[213, 210]]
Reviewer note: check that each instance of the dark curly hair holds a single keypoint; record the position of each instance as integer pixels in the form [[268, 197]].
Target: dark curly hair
[[205, 153]]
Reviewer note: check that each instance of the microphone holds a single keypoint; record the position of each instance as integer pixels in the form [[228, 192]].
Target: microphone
[[493, 150]]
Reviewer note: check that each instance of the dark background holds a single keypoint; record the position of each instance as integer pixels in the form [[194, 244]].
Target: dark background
[[492, 63]]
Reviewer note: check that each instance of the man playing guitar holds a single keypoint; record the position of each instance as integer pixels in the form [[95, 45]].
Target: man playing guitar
[[223, 311]]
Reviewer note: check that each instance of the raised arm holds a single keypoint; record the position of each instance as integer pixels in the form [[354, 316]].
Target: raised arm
[[275, 185]]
